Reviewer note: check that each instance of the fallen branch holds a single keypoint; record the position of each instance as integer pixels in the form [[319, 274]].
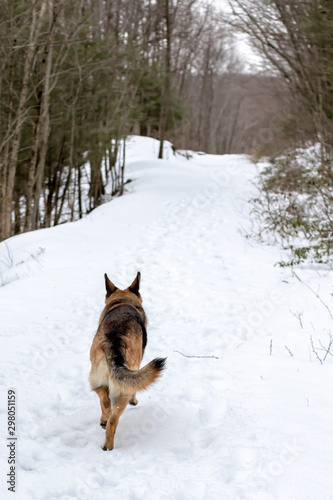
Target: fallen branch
[[187, 356]]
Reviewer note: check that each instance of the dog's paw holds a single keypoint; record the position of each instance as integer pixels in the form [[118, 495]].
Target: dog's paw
[[133, 402], [104, 448], [103, 424]]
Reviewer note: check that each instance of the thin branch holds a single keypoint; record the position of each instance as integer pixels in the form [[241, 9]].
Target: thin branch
[[187, 356], [298, 316], [291, 354], [315, 293], [328, 350], [315, 352]]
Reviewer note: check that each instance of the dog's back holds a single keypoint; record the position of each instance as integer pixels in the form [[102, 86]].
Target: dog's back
[[117, 351]]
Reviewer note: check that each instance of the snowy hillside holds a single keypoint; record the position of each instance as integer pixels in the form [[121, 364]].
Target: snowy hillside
[[244, 409]]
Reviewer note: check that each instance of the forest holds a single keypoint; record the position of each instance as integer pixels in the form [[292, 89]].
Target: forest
[[78, 77]]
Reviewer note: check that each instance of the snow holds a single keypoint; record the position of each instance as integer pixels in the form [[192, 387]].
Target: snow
[[252, 420]]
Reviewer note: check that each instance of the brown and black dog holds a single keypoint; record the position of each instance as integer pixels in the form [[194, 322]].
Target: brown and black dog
[[116, 354]]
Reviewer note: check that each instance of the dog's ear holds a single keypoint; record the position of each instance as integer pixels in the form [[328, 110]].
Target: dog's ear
[[109, 286], [134, 288]]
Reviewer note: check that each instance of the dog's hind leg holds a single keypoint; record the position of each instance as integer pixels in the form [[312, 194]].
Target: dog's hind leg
[[103, 393], [118, 406], [133, 401]]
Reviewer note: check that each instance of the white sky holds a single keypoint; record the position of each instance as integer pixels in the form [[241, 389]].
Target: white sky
[[244, 49]]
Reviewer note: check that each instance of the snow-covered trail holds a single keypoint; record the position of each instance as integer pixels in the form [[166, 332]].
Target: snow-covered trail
[[249, 421]]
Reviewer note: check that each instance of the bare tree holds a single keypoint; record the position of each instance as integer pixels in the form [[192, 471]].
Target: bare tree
[[294, 38], [38, 14]]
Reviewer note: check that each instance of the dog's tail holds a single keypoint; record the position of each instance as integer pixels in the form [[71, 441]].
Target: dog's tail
[[136, 380]]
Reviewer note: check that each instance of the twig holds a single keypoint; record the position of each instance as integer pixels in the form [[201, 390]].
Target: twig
[[313, 350], [315, 293], [298, 316], [328, 350], [291, 354], [9, 258], [187, 356]]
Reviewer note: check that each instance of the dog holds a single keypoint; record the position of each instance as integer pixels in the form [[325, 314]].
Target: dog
[[116, 353]]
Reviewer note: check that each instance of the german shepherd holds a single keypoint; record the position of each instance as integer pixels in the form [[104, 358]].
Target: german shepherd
[[116, 354]]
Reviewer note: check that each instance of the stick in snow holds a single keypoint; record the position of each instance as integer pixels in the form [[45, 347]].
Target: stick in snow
[[187, 356], [315, 293]]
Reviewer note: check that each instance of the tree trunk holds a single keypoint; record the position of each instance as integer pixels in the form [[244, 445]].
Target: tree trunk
[[4, 151], [58, 214], [35, 30], [123, 167], [166, 88], [32, 170], [53, 187], [79, 192], [44, 124], [17, 214]]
